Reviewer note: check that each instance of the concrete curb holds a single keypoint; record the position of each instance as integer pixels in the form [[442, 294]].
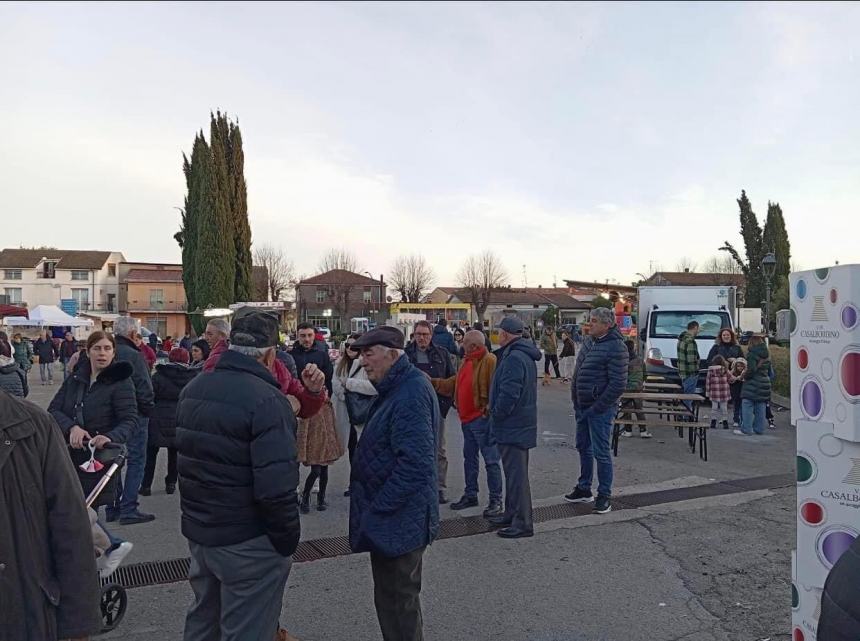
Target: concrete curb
[[783, 401]]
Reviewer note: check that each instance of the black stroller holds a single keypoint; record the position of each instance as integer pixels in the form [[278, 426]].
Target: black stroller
[[100, 487]]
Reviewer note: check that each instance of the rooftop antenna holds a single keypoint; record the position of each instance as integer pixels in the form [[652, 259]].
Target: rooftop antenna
[[525, 278]]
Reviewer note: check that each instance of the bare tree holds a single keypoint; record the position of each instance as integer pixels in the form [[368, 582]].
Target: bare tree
[[339, 291], [281, 273], [338, 258], [685, 264], [410, 277], [479, 276]]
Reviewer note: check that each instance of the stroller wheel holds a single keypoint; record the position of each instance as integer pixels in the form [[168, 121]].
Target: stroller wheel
[[113, 603]]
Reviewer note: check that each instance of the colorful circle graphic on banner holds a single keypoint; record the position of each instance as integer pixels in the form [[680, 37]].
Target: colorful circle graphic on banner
[[849, 316], [827, 369], [833, 542], [834, 296], [795, 597], [800, 289], [806, 469], [830, 446], [849, 373], [811, 397], [803, 358], [812, 513], [822, 274], [797, 635], [841, 413]]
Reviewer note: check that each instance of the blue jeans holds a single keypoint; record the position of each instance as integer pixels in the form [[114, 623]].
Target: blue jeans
[[593, 435], [126, 493], [476, 438], [689, 386], [115, 541], [753, 416]]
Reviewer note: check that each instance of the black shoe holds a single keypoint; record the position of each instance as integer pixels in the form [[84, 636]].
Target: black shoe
[[170, 488], [713, 425], [346, 493], [602, 505], [511, 533], [442, 498], [494, 509], [725, 425], [579, 496], [463, 503], [305, 504], [111, 517], [771, 425], [499, 521], [322, 506], [136, 517], [145, 491]]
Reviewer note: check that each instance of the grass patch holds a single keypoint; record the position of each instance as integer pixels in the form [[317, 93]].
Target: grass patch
[[780, 356]]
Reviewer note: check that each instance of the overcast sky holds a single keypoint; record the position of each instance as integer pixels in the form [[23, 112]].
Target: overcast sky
[[582, 141]]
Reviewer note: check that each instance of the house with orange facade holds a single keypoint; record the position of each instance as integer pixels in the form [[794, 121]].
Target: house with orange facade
[[154, 294]]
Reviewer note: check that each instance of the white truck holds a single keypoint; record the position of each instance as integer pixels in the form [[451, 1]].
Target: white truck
[[663, 316]]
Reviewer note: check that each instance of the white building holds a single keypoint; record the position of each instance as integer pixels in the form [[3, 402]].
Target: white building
[[47, 276]]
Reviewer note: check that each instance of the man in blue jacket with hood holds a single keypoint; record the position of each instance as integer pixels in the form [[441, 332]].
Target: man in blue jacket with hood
[[513, 419], [599, 382]]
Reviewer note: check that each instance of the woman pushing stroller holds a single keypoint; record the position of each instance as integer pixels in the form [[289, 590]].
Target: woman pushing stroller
[[96, 406]]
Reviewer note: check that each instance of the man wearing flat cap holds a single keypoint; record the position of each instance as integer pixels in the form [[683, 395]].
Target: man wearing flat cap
[[237, 478], [513, 424], [394, 507]]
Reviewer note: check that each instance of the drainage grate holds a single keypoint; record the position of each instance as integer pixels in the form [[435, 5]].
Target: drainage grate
[[174, 570], [151, 573], [331, 547]]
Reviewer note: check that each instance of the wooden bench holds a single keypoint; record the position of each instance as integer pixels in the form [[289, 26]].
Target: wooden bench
[[678, 416]]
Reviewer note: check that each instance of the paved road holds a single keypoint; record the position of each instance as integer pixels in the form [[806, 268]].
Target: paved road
[[716, 568]]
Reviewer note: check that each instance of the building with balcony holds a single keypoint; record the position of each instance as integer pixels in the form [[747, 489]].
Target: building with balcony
[[332, 299], [49, 276], [154, 294]]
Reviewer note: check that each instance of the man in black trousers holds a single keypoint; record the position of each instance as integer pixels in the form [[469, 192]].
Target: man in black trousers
[[513, 420]]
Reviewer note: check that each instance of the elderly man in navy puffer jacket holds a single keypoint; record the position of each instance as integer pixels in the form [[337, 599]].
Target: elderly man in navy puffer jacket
[[394, 507], [599, 382]]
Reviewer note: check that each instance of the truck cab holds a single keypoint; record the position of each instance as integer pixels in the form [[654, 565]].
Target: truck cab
[[664, 313]]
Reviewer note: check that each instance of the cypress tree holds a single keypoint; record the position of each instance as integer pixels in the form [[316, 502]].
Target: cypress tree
[[215, 255], [775, 239], [752, 234], [189, 229], [230, 159]]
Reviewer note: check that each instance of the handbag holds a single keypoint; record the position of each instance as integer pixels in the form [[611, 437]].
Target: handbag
[[358, 406]]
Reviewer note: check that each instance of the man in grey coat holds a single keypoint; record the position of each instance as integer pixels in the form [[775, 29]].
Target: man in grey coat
[[127, 332], [49, 585]]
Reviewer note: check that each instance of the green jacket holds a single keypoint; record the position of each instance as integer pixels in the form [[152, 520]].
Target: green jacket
[[635, 374], [549, 343], [757, 385], [23, 354], [688, 356]]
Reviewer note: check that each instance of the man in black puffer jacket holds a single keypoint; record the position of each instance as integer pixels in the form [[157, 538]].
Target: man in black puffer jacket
[[599, 382], [238, 474]]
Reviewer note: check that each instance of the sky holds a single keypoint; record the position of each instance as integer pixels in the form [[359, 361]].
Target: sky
[[577, 141]]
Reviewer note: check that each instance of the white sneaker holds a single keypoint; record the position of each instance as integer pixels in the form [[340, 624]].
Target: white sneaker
[[626, 434], [645, 434], [736, 425], [108, 563], [738, 432]]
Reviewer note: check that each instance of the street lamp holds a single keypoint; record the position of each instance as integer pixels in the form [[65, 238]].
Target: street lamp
[[768, 267]]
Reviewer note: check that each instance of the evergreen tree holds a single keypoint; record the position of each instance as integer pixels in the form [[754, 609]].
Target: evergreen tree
[[189, 230], [230, 159], [775, 239], [752, 234]]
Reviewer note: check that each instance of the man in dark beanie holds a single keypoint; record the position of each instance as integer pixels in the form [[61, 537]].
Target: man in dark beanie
[[237, 479]]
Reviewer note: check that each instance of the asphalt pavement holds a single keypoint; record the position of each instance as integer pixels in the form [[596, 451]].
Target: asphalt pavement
[[710, 568]]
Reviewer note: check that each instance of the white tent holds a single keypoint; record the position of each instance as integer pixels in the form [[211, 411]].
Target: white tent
[[47, 316]]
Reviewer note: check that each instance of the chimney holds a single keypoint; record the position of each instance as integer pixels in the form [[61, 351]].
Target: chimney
[[686, 270]]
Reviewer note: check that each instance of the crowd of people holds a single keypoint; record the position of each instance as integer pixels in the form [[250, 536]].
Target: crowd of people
[[238, 416]]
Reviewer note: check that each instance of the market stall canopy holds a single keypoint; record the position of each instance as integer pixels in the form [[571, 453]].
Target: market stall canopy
[[47, 316]]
